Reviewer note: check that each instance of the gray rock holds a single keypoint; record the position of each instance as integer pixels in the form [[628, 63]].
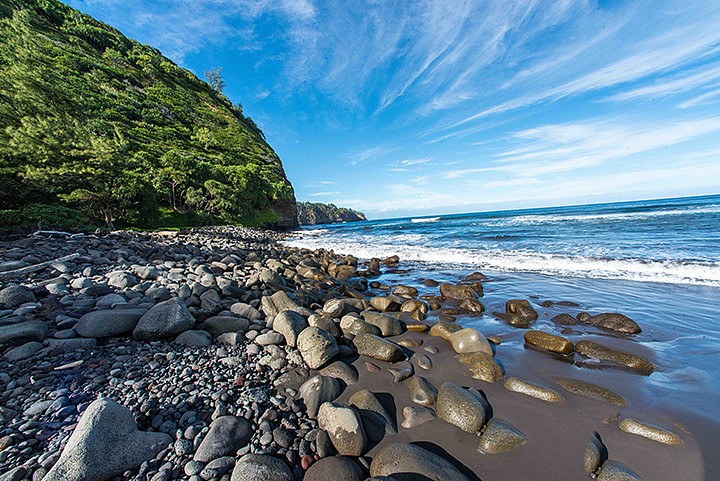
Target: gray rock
[[336, 468], [107, 301], [460, 407], [166, 319], [595, 455], [401, 371], [617, 471], [377, 348], [290, 324], [280, 301], [23, 332], [269, 338], [108, 322], [105, 443], [388, 325], [261, 467], [422, 361], [412, 462], [422, 391], [147, 272], [326, 323], [340, 370], [15, 474], [316, 346], [344, 426], [64, 345], [318, 390], [218, 325], [375, 418], [38, 407], [246, 311], [194, 338], [227, 434], [499, 436], [14, 296], [613, 321], [23, 352], [416, 415]]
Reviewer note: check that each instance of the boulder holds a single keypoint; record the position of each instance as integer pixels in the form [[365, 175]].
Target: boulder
[[452, 291], [461, 407], [336, 468], [246, 311], [104, 444], [401, 371], [344, 426], [227, 434], [318, 390], [260, 467], [108, 322], [166, 319], [316, 346], [592, 391], [384, 304], [339, 307], [469, 340], [564, 320], [472, 307], [412, 462], [602, 353], [375, 419], [549, 342], [14, 296], [654, 433], [340, 370], [533, 390], [194, 338], [280, 301], [613, 321], [422, 391], [290, 324], [23, 352], [325, 323], [482, 366], [595, 455], [388, 325], [416, 415], [23, 332], [617, 471], [218, 325], [404, 291], [444, 329], [499, 436], [377, 348]]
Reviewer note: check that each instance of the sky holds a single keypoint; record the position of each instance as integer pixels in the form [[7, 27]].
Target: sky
[[448, 106]]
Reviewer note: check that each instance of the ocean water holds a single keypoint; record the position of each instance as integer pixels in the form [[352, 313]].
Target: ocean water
[[657, 262]]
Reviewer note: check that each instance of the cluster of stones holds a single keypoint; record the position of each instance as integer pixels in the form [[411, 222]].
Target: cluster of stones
[[220, 354]]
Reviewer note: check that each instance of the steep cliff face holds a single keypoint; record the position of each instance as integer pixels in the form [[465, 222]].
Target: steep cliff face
[[317, 213], [96, 122]]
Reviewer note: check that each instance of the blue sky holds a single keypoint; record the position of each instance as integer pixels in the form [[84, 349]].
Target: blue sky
[[445, 106]]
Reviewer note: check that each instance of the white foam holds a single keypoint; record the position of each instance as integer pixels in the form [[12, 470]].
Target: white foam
[[555, 218], [526, 261], [425, 219]]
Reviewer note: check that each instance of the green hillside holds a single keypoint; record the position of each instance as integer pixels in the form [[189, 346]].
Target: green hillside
[[313, 213], [95, 127]]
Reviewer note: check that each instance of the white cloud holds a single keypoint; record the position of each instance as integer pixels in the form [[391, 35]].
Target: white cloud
[[323, 194]]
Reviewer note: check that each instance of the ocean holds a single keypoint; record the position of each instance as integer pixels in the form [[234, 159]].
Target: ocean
[[656, 261]]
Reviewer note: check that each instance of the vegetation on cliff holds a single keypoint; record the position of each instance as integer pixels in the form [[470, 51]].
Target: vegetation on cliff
[[95, 126], [310, 213]]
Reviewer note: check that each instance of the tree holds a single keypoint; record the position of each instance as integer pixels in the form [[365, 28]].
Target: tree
[[214, 77]]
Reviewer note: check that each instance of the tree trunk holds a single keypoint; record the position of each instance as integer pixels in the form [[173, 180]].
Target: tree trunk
[[108, 219]]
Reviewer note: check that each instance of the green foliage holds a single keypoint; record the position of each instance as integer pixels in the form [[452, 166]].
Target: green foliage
[[214, 79], [33, 216], [311, 213], [94, 121]]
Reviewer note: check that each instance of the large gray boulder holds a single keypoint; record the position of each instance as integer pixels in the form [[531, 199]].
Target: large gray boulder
[[411, 462], [13, 296], [23, 332], [378, 348], [108, 322], [318, 390], [227, 434], [218, 325], [461, 407], [345, 428], [290, 324], [105, 443], [316, 346], [336, 468], [261, 467], [166, 319]]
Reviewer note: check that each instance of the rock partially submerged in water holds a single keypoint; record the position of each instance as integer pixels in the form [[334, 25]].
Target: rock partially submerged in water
[[602, 353], [459, 292], [468, 340], [592, 391], [549, 342], [613, 321], [518, 313]]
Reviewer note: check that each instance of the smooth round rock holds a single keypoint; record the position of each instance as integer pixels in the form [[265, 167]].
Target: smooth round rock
[[290, 324], [499, 436], [316, 347], [377, 348], [460, 407], [649, 431], [422, 391], [166, 319], [260, 467], [482, 366], [407, 459], [602, 353], [416, 415], [344, 426], [549, 342], [227, 434], [617, 471], [318, 390], [592, 391], [335, 468], [108, 322], [533, 390], [452, 291], [469, 340], [613, 321]]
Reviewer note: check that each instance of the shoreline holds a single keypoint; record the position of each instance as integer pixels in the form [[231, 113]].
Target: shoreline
[[556, 434]]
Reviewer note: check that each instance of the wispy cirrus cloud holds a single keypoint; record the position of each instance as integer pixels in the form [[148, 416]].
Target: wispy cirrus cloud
[[324, 194]]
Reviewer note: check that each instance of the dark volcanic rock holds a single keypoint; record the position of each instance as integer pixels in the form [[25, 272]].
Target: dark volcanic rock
[[166, 319], [108, 322]]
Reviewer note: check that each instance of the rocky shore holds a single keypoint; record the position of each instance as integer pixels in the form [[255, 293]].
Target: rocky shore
[[218, 353]]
